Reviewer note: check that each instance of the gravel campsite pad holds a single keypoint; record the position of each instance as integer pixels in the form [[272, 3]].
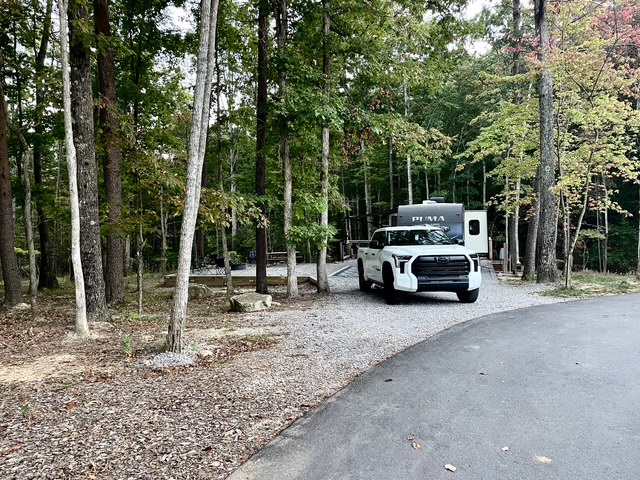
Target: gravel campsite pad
[[113, 407]]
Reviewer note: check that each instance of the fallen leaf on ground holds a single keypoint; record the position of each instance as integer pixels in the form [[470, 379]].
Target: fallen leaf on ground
[[542, 459], [11, 449], [450, 467], [411, 438], [416, 445]]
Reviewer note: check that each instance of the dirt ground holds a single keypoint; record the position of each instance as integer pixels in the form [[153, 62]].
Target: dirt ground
[[73, 408]]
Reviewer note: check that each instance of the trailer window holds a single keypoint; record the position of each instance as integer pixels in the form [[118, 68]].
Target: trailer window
[[474, 227]]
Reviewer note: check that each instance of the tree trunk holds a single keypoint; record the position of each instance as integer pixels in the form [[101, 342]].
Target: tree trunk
[[48, 278], [139, 258], [222, 228], [514, 241], [605, 243], [638, 249], [197, 145], [110, 126], [367, 191], [529, 268], [514, 220], [392, 202], [163, 232], [261, 142], [548, 227], [28, 224], [8, 259], [284, 154], [84, 140], [321, 268], [82, 327]]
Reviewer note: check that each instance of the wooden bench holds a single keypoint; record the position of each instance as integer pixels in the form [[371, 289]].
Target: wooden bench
[[276, 257]]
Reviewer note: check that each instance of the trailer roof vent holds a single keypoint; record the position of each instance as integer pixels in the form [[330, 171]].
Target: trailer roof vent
[[428, 202], [437, 200]]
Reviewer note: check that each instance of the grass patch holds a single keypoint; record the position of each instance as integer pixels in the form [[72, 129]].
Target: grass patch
[[593, 284]]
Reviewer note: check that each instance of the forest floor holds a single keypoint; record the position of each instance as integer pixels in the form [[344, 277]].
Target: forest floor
[[72, 408]]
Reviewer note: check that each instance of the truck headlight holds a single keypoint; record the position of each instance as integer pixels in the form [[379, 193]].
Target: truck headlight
[[476, 262], [400, 261]]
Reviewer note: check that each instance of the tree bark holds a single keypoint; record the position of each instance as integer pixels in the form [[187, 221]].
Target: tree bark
[[282, 22], [321, 265], [8, 259], [529, 267], [222, 228], [548, 226], [47, 278], [84, 140], [367, 191], [197, 146], [392, 202], [261, 142], [514, 218], [28, 224], [110, 126], [82, 327]]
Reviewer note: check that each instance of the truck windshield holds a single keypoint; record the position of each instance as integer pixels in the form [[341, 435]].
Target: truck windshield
[[418, 237]]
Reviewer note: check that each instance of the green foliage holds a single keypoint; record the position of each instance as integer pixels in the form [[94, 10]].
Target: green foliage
[[126, 347]]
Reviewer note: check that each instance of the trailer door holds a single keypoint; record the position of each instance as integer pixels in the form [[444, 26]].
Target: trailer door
[[476, 232]]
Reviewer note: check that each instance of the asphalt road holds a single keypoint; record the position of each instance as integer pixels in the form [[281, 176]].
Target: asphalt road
[[559, 385]]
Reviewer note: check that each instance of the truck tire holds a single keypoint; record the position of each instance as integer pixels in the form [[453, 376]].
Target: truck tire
[[391, 295], [365, 285], [468, 296]]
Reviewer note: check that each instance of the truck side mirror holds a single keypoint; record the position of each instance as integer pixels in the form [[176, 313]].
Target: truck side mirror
[[374, 244], [460, 241]]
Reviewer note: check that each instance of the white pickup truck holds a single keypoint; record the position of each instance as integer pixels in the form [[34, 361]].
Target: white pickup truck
[[418, 259]]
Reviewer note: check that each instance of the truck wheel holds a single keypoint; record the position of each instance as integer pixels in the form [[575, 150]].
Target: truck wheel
[[365, 285], [391, 295], [468, 296]]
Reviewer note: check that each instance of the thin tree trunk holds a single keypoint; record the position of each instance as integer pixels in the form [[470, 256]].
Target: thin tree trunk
[[8, 259], [48, 278], [547, 231], [84, 139], [605, 243], [514, 241], [110, 126], [163, 232], [638, 249], [197, 145], [285, 158], [529, 267], [222, 229], [392, 202], [514, 219], [139, 256], [367, 191], [261, 142], [82, 327], [321, 266], [28, 223]]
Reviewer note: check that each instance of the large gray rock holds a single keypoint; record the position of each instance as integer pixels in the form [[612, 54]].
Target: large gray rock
[[198, 291], [250, 302]]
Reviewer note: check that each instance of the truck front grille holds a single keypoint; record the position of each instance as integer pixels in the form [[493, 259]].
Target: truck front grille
[[440, 266]]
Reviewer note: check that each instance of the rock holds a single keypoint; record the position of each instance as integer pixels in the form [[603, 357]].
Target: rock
[[205, 354], [21, 307], [250, 302], [198, 291]]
